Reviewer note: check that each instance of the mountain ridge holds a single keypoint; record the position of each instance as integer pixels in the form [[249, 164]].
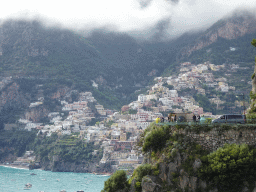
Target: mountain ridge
[[229, 28]]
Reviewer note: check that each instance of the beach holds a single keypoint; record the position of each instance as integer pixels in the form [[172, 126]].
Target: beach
[[15, 166]]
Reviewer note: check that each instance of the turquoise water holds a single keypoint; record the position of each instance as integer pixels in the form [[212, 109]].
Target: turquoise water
[[14, 180]]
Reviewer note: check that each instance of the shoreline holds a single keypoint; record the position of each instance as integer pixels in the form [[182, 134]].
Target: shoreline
[[27, 168], [14, 166], [17, 166]]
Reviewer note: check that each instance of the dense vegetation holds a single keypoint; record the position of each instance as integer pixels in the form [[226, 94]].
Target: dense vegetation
[[68, 148], [15, 143], [229, 167]]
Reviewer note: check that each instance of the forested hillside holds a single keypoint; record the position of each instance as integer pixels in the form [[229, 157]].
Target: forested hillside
[[121, 65]]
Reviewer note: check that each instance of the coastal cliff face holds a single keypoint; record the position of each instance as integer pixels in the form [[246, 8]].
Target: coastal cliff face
[[172, 177], [76, 167], [230, 28], [176, 168]]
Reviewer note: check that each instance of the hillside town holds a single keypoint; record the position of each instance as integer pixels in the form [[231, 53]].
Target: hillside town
[[117, 132]]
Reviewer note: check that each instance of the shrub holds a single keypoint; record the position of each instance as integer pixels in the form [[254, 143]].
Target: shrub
[[253, 75], [252, 95], [118, 181], [229, 167], [155, 139], [139, 173]]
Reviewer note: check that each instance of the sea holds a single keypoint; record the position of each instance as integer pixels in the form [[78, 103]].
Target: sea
[[14, 180]]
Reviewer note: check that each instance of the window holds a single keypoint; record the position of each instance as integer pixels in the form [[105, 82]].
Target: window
[[235, 116]]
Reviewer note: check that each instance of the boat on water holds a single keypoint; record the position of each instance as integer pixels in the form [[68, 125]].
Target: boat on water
[[28, 186], [32, 174], [63, 190]]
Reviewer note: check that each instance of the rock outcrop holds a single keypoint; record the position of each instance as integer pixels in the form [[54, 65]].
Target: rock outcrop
[[149, 184], [12, 97], [231, 28], [77, 167], [35, 114], [172, 176]]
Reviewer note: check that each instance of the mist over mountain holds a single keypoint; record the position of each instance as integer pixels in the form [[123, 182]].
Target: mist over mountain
[[235, 31], [117, 62]]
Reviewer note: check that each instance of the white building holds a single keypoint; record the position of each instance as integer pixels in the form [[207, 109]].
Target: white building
[[142, 98]]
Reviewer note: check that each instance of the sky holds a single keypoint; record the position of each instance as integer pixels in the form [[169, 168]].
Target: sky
[[132, 16]]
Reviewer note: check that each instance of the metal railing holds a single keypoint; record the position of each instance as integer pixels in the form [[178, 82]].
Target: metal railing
[[207, 124]]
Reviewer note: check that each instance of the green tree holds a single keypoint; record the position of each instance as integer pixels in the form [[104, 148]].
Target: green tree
[[228, 167], [253, 42], [156, 138], [117, 182]]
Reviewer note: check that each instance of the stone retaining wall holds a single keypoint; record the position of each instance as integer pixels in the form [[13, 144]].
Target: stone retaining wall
[[216, 137]]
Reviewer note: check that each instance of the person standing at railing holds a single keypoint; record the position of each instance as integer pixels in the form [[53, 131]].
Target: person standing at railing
[[157, 120], [194, 118]]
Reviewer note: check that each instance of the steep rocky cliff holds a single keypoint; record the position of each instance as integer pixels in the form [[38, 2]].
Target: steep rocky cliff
[[233, 27], [35, 114], [77, 167], [175, 167], [12, 97], [172, 176], [19, 98]]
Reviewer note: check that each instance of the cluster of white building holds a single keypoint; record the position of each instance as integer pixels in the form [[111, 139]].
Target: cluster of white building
[[192, 76], [118, 140]]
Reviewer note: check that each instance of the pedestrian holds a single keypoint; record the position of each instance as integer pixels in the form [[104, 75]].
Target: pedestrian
[[175, 118], [157, 120], [194, 118]]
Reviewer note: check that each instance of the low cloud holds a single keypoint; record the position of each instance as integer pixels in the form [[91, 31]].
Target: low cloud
[[161, 29], [140, 17], [144, 3]]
